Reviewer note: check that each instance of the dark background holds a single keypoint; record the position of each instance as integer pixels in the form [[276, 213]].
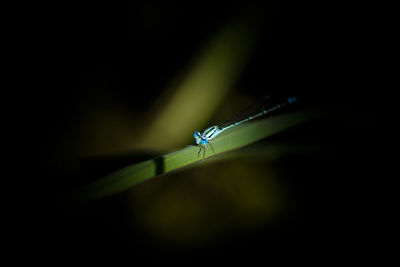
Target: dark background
[[316, 50], [319, 50]]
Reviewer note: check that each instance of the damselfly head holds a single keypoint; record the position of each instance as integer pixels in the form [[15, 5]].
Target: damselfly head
[[197, 137]]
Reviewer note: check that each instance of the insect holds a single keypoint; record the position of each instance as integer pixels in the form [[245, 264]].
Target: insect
[[257, 110]]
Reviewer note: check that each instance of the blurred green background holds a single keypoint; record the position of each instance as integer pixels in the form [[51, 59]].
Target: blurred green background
[[126, 82]]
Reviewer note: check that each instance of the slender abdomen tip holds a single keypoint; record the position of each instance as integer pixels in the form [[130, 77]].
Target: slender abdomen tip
[[292, 99]]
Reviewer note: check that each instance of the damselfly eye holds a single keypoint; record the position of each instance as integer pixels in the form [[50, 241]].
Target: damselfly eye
[[196, 134]]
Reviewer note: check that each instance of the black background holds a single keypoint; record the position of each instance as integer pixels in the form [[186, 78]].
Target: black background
[[320, 51]]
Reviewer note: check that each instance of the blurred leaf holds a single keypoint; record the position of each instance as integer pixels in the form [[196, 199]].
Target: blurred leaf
[[212, 75], [233, 138]]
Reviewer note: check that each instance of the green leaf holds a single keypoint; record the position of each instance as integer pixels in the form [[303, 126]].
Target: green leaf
[[231, 139]]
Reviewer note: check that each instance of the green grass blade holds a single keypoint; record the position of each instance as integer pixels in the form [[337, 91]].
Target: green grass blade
[[233, 138]]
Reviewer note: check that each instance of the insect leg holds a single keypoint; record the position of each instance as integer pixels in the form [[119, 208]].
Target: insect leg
[[212, 145]]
